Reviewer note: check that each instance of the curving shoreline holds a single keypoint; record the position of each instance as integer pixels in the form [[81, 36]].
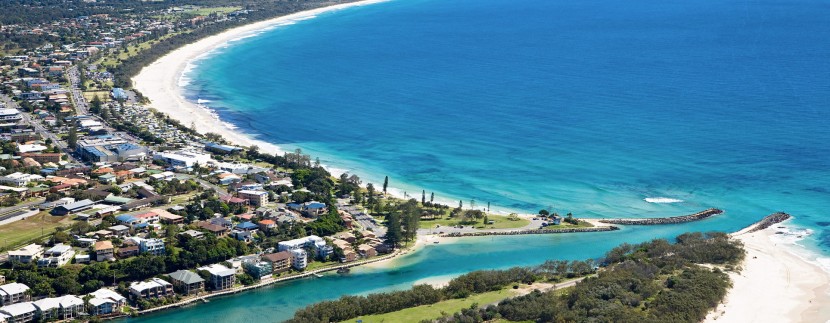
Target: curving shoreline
[[159, 81], [776, 284]]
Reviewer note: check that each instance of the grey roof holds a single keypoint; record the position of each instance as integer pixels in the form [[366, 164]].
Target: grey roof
[[186, 276]]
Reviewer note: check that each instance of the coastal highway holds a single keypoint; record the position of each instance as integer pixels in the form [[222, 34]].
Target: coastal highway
[[77, 96]]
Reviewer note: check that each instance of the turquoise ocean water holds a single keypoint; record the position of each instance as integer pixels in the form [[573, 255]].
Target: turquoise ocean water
[[591, 107]]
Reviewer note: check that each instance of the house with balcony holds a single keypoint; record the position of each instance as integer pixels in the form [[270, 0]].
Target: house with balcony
[[103, 250], [56, 256], [26, 254], [18, 313], [152, 288], [221, 277], [187, 282], [280, 261], [13, 293], [105, 301]]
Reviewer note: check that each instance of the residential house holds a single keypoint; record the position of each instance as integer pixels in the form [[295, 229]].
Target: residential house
[[233, 200], [119, 230], [167, 217], [128, 251], [152, 246], [221, 277], [245, 236], [218, 230], [103, 250], [56, 256], [193, 234], [152, 288], [280, 261], [267, 224], [222, 222], [19, 179], [13, 293], [246, 226], [105, 301], [26, 254], [367, 251], [187, 282]]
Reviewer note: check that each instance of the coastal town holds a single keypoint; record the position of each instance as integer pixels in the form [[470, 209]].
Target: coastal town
[[112, 208]]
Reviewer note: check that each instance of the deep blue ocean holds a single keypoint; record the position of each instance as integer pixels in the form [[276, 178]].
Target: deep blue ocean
[[588, 107]]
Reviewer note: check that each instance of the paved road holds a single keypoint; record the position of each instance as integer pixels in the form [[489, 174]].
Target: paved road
[[81, 106], [208, 185], [39, 128], [21, 206]]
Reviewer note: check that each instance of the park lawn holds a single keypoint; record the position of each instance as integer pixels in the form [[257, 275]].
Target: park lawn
[[104, 96], [434, 311], [210, 10], [500, 222], [22, 231], [132, 50], [565, 225]]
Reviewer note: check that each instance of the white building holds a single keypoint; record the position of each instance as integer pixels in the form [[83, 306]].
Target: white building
[[105, 301], [13, 293], [183, 158], [10, 115], [299, 258], [309, 241], [20, 312], [152, 245], [56, 256], [20, 179], [153, 288], [221, 277], [26, 254], [59, 308], [33, 148]]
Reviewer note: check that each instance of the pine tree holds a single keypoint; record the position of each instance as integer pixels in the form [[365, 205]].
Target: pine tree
[[385, 184], [393, 229], [423, 197], [432, 197], [72, 137]]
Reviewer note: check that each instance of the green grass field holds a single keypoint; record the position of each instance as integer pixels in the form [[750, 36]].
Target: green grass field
[[434, 311], [19, 232], [500, 222], [210, 10], [103, 95]]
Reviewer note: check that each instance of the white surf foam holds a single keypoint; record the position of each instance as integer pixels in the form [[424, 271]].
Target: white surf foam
[[662, 200]]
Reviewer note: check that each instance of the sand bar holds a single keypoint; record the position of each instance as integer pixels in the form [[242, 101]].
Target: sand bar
[[775, 284]]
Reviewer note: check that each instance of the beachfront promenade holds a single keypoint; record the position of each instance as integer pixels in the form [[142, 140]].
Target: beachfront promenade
[[532, 231]]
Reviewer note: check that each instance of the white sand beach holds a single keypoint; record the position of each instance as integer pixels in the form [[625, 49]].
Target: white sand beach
[[159, 81], [775, 285]]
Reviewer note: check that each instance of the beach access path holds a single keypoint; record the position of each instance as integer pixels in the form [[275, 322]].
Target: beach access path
[[775, 284]]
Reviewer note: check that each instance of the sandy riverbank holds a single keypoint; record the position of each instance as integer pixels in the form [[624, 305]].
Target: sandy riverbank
[[775, 285], [160, 81]]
